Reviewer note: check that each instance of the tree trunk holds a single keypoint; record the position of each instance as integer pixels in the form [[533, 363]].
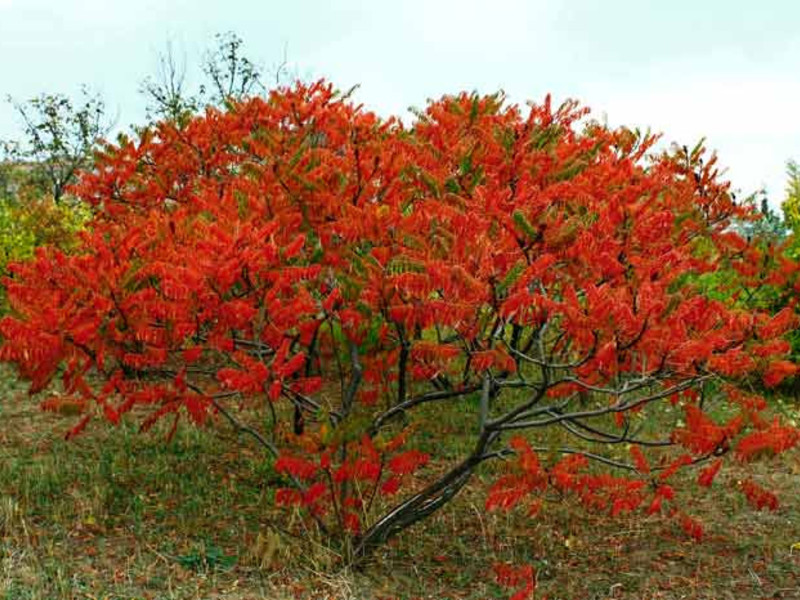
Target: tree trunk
[[421, 505]]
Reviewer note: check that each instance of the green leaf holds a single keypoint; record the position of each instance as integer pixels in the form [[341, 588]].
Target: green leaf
[[511, 277], [525, 226]]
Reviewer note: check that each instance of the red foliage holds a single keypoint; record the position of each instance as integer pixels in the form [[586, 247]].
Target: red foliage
[[408, 462], [774, 439], [692, 527], [640, 460], [529, 477], [522, 577], [298, 467], [758, 497], [778, 371], [701, 435]]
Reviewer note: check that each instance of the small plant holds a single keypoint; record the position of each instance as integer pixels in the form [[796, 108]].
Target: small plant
[[209, 557]]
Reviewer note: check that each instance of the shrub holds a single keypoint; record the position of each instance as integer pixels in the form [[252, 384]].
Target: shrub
[[359, 280], [29, 223]]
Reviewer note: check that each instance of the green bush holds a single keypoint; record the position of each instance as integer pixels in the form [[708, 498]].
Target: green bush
[[26, 224]]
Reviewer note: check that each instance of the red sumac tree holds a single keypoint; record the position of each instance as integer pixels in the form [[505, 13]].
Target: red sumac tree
[[363, 282]]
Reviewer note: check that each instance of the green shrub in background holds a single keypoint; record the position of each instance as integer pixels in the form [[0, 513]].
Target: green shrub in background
[[28, 223]]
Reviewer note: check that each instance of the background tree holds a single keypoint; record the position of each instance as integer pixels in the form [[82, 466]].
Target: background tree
[[166, 91], [59, 137], [528, 277], [767, 226], [35, 222], [7, 183], [229, 76], [791, 205]]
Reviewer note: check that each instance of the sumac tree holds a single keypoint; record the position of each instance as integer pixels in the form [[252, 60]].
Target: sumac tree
[[361, 282]]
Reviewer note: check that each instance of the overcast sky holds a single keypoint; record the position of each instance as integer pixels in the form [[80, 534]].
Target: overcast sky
[[728, 70]]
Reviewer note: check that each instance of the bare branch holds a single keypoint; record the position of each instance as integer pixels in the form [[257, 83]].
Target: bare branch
[[356, 373], [614, 408], [241, 427], [590, 455], [608, 438], [417, 400], [486, 393]]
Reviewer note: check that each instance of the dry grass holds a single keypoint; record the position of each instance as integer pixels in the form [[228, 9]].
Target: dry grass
[[115, 514]]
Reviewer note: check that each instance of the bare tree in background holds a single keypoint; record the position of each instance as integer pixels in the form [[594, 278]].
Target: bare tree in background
[[231, 75], [167, 95], [228, 76]]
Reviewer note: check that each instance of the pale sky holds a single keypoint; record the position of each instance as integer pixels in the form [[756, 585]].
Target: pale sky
[[728, 70]]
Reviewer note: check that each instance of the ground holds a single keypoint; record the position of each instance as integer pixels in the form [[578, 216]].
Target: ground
[[117, 514]]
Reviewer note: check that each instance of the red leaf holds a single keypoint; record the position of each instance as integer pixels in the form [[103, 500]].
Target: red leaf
[[758, 497], [692, 527], [639, 460], [707, 475], [111, 414], [287, 497], [292, 366], [408, 462], [299, 467], [191, 355], [390, 486], [77, 429], [275, 389], [331, 300], [778, 371]]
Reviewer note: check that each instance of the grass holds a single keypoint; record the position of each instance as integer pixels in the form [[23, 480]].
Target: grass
[[116, 514]]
